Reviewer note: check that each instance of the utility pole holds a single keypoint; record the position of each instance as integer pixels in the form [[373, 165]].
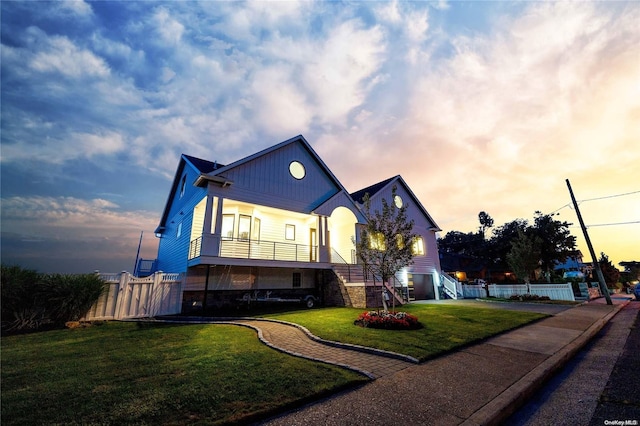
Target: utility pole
[[135, 267], [603, 285]]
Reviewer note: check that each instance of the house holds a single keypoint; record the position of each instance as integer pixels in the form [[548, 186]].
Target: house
[[278, 225], [423, 276], [573, 266]]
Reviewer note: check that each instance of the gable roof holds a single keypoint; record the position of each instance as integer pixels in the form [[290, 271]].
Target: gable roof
[[201, 166], [374, 189], [297, 139], [212, 171], [358, 196]]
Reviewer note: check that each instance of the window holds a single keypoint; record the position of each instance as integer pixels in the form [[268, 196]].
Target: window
[[297, 280], [228, 221], [255, 236], [418, 246], [297, 170], [244, 227], [376, 241], [397, 200], [183, 185], [290, 232], [179, 231]]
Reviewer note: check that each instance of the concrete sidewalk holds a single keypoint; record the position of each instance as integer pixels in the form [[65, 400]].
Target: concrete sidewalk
[[479, 385]]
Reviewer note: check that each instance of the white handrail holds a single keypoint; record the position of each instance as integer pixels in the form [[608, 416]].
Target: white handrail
[[450, 286]]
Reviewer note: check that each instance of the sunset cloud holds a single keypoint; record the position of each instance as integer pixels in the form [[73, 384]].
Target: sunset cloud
[[480, 106]]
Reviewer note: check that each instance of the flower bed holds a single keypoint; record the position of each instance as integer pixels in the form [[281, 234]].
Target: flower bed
[[388, 320]]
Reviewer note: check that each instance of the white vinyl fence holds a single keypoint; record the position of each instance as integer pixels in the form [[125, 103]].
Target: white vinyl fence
[[473, 291], [553, 291], [131, 297]]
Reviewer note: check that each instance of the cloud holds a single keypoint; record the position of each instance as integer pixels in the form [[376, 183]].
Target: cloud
[[489, 112], [169, 29], [500, 122], [97, 231], [59, 55]]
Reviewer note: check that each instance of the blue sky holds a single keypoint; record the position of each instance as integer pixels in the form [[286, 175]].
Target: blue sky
[[478, 105]]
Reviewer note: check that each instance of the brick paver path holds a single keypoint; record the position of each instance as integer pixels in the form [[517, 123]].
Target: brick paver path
[[293, 340]]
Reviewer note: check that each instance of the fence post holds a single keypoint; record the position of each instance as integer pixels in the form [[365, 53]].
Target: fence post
[[154, 304], [121, 294]]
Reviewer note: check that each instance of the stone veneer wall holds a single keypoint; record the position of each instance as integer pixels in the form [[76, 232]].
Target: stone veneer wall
[[334, 292]]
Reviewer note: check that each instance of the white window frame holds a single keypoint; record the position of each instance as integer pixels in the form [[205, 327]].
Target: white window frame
[[418, 246], [289, 232]]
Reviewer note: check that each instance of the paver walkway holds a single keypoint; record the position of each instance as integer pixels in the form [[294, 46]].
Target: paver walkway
[[295, 341]]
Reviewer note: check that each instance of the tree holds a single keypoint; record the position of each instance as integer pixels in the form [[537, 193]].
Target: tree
[[611, 273], [524, 256], [486, 222], [500, 243], [470, 244], [386, 241], [557, 243]]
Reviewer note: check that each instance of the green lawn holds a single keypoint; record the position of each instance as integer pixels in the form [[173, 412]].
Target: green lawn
[[123, 373], [128, 373], [446, 327]]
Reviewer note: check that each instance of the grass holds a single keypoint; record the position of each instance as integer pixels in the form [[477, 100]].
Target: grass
[[129, 373], [446, 327], [124, 373]]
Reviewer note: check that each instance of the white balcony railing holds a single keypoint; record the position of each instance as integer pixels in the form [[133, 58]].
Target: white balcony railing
[[242, 248]]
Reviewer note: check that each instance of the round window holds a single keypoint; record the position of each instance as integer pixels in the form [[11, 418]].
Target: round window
[[397, 201], [297, 170]]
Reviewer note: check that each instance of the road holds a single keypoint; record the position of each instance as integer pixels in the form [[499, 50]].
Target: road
[[599, 386]]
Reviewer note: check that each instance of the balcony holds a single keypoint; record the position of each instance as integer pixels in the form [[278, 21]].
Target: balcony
[[243, 248]]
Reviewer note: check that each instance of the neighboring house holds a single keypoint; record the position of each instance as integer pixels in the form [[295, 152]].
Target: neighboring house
[[423, 276], [573, 266], [277, 222]]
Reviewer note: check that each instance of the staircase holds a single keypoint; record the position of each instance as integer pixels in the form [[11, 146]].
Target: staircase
[[451, 287], [354, 274]]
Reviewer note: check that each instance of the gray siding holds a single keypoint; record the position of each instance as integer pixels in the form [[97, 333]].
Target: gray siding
[[266, 180], [430, 262]]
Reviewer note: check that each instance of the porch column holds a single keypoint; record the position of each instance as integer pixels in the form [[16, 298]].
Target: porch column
[[208, 241], [217, 225], [323, 246], [208, 215]]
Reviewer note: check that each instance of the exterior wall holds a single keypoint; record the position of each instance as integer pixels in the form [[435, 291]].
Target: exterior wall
[[248, 278], [173, 250], [334, 293], [358, 296], [429, 263], [266, 180]]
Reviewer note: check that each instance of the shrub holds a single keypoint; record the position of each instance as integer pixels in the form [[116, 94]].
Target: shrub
[[31, 301], [528, 297], [388, 320], [69, 297]]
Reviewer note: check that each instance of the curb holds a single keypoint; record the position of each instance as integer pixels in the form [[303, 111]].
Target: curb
[[511, 399]]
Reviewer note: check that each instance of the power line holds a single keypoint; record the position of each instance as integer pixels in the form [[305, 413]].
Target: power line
[[610, 196], [598, 198], [609, 224]]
